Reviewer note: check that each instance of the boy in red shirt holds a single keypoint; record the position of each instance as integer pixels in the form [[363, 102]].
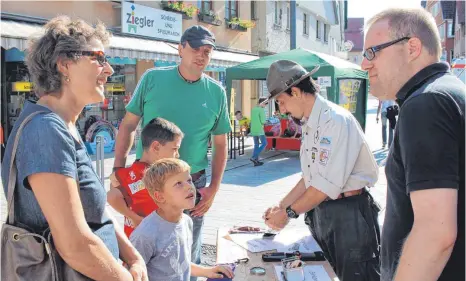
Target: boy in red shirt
[[127, 195]]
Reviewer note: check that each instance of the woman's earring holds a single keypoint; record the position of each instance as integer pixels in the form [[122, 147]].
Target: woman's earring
[[67, 79]]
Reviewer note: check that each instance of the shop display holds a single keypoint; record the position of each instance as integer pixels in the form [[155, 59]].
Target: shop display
[[19, 90]]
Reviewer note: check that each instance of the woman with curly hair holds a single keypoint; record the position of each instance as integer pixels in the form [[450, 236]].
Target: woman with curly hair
[[57, 187]]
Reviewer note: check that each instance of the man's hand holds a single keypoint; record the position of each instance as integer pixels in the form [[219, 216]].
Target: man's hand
[[377, 119], [138, 270], [276, 218], [269, 210], [208, 195]]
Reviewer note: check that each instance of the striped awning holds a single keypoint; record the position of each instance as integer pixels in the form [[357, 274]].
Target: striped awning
[[15, 34]]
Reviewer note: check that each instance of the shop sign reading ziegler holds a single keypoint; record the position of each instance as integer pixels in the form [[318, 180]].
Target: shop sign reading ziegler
[[150, 22]]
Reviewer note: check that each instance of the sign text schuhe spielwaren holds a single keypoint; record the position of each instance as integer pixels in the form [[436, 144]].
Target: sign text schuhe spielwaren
[[150, 22]]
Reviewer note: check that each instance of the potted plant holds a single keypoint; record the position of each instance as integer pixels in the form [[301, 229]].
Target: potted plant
[[209, 17], [239, 24], [188, 11]]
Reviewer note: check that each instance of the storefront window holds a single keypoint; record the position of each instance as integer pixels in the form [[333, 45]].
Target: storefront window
[[118, 91], [18, 89]]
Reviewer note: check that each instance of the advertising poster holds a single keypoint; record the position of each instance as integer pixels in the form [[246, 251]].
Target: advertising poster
[[349, 89]]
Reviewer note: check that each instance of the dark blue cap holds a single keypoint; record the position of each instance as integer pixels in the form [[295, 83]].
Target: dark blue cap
[[198, 36]]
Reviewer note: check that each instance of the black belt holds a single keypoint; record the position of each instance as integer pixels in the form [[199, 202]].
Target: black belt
[[342, 195]]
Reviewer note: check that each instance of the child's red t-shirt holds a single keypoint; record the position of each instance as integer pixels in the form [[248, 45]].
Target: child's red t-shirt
[[136, 196]]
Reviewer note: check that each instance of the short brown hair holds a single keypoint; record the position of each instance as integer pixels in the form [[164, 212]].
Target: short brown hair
[[62, 35], [411, 23], [157, 174], [161, 130]]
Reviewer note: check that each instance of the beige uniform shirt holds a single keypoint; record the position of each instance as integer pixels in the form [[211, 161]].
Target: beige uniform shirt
[[334, 155]]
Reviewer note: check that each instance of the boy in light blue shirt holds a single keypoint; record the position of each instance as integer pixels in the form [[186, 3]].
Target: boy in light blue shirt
[[164, 238]]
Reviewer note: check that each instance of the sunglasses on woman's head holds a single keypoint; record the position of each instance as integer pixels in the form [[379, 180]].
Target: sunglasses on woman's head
[[98, 55]]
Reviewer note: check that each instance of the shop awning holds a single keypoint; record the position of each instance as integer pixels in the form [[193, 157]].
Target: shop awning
[[14, 34]]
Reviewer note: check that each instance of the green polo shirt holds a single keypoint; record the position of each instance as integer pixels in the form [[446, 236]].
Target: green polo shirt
[[199, 109]]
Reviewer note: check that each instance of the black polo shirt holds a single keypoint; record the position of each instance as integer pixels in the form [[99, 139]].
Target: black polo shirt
[[427, 152]]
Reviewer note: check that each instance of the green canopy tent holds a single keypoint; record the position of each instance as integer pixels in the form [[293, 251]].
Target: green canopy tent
[[345, 82]]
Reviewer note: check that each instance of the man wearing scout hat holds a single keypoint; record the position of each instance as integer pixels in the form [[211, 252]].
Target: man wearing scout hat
[[337, 168]]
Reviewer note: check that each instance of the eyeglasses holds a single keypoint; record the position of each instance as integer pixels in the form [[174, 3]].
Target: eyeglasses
[[369, 53], [98, 55]]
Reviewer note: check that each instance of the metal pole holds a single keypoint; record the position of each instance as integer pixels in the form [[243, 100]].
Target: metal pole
[[99, 163], [292, 24], [102, 160], [234, 141], [97, 156]]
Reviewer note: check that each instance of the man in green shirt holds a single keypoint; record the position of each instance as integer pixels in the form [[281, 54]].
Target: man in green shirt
[[257, 131], [197, 104]]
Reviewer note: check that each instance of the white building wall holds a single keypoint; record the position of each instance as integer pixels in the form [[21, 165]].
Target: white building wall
[[269, 36], [316, 10]]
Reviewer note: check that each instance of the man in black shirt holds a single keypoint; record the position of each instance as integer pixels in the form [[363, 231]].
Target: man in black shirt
[[423, 232]]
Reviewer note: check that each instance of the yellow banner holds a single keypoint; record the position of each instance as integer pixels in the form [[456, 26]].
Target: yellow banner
[[22, 86], [111, 87]]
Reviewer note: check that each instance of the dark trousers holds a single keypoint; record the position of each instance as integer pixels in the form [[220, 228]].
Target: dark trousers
[[348, 232]]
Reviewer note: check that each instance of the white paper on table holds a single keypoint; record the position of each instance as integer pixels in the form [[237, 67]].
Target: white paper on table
[[311, 273], [285, 241], [230, 252]]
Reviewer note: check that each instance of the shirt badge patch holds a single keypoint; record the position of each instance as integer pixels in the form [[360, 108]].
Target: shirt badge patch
[[323, 156], [326, 141], [313, 154], [316, 135], [132, 175], [136, 186]]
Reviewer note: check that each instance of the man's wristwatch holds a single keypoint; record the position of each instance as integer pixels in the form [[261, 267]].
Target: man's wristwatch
[[291, 213]]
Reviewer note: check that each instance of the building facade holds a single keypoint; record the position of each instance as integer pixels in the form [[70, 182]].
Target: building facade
[[270, 36], [133, 49], [444, 13], [459, 42], [272, 32], [354, 38], [320, 26]]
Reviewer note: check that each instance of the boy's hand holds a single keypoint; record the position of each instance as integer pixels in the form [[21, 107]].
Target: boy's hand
[[214, 272], [113, 180]]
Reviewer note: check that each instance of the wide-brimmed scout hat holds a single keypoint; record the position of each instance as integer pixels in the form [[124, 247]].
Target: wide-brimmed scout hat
[[284, 74]]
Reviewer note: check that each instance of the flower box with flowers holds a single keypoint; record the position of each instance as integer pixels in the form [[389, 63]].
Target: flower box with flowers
[[236, 26], [188, 11], [240, 25]]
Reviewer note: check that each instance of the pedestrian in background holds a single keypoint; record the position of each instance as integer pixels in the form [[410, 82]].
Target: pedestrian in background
[[257, 131], [382, 110]]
